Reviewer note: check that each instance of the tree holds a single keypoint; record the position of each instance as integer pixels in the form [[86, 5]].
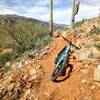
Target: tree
[[51, 18]]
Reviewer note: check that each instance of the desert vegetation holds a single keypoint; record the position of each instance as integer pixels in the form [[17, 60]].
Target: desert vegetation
[[21, 34]]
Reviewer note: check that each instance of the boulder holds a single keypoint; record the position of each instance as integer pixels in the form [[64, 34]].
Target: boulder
[[84, 54], [96, 74]]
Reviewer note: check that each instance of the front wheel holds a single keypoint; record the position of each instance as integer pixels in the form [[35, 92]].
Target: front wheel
[[58, 70]]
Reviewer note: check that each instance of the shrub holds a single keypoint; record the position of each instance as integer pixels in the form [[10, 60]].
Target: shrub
[[96, 31], [5, 57], [42, 41]]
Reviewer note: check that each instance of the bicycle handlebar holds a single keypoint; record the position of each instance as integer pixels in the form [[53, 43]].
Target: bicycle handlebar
[[70, 43]]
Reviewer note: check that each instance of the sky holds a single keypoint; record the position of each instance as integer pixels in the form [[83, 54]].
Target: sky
[[39, 9]]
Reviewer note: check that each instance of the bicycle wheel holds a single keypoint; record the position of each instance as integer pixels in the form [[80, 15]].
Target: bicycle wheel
[[58, 70]]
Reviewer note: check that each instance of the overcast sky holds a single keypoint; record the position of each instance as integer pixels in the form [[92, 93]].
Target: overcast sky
[[39, 9]]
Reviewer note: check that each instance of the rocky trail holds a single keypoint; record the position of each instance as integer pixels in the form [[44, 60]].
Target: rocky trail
[[29, 79], [78, 86]]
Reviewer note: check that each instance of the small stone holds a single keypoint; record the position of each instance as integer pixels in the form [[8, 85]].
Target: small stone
[[10, 87], [44, 53], [98, 67], [85, 71], [25, 96], [32, 71], [47, 94], [33, 77], [86, 66], [83, 81], [28, 85], [20, 65], [7, 64], [24, 77], [27, 62], [47, 47], [93, 87]]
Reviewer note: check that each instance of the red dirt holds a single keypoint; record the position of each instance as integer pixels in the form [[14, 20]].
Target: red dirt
[[67, 89]]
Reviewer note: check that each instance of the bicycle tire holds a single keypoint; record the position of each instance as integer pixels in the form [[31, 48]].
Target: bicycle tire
[[57, 71]]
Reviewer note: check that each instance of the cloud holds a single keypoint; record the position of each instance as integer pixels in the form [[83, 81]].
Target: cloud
[[91, 2], [39, 9], [87, 11]]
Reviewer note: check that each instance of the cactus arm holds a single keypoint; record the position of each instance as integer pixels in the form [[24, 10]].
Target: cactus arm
[[76, 8]]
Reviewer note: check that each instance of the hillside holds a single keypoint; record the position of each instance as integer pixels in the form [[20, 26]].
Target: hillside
[[21, 31], [30, 78], [12, 26]]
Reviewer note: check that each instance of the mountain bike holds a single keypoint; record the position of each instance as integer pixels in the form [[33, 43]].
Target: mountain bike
[[62, 60]]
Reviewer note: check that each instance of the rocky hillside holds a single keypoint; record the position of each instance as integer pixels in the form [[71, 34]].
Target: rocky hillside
[[30, 78]]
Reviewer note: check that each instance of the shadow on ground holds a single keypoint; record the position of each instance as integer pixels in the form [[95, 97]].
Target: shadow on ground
[[66, 74]]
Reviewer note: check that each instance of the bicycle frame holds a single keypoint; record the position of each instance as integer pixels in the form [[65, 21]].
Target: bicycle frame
[[62, 60], [63, 56]]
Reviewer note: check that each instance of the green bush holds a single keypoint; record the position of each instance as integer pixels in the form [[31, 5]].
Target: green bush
[[42, 41], [5, 57], [22, 34]]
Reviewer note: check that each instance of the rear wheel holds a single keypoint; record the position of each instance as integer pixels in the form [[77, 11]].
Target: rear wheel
[[58, 70]]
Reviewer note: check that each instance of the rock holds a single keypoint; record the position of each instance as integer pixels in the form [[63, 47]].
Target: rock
[[10, 86], [16, 75], [27, 62], [14, 66], [7, 64], [86, 66], [25, 96], [64, 34], [93, 87], [28, 85], [83, 81], [57, 33], [84, 54], [33, 54], [2, 92], [84, 71], [47, 47], [96, 75], [44, 52], [33, 77], [32, 71], [20, 65], [25, 77]]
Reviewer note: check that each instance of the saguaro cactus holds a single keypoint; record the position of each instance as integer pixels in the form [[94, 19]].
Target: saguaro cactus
[[51, 18], [74, 11]]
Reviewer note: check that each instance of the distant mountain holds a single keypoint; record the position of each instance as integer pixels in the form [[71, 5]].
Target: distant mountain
[[34, 21]]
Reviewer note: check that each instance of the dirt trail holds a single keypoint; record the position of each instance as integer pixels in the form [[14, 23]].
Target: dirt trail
[[68, 89]]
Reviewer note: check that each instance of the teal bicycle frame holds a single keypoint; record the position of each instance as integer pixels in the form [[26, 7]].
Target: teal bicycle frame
[[63, 55]]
